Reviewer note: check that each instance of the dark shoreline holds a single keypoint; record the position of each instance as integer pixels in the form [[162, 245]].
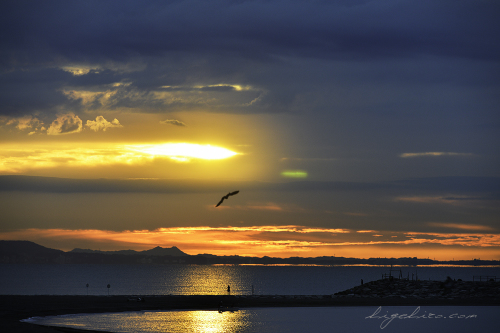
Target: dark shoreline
[[14, 308]]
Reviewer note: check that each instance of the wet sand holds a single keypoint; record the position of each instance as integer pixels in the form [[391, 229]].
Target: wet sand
[[14, 308]]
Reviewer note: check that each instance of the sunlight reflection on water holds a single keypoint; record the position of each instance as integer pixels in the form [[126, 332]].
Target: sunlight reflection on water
[[311, 319], [155, 321], [144, 280]]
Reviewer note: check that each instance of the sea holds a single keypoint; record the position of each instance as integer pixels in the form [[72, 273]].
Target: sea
[[405, 319], [144, 280], [83, 279]]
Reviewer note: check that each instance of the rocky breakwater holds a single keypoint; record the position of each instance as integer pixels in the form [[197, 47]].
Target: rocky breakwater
[[422, 290]]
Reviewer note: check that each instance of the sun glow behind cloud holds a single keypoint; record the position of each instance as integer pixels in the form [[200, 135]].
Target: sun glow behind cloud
[[184, 151], [16, 160]]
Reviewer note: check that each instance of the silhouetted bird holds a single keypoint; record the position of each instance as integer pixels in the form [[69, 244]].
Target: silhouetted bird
[[226, 197]]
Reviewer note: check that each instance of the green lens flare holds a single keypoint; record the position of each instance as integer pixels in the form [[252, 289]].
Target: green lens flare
[[294, 174]]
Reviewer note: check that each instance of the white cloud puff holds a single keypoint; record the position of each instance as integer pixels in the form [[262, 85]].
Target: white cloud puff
[[102, 124], [65, 124]]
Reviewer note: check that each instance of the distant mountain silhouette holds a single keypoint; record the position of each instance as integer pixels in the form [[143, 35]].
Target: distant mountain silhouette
[[160, 251], [126, 252], [157, 251], [26, 251], [29, 252]]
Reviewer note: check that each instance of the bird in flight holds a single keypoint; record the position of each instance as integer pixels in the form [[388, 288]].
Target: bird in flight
[[226, 197]]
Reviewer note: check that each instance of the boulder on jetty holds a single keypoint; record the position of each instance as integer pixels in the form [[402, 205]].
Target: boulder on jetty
[[404, 288]]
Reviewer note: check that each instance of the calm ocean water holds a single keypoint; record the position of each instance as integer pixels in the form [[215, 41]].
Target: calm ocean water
[[274, 320], [53, 279], [32, 279]]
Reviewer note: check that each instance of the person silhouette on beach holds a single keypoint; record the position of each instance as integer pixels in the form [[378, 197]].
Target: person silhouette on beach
[[228, 289]]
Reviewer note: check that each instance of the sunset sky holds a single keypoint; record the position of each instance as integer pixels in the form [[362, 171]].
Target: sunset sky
[[351, 128]]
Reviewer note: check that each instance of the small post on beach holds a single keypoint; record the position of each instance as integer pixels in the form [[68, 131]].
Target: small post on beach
[[109, 286], [87, 289]]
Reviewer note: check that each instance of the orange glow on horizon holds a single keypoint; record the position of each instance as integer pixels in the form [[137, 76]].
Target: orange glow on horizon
[[276, 241], [461, 226]]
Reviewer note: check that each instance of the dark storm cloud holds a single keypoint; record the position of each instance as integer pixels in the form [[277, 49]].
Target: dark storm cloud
[[159, 43], [95, 30], [488, 186], [23, 92], [67, 185], [392, 205], [94, 78], [216, 88]]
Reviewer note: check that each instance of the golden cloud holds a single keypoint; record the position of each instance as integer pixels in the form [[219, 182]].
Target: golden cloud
[[27, 122], [102, 124], [174, 122], [65, 124]]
